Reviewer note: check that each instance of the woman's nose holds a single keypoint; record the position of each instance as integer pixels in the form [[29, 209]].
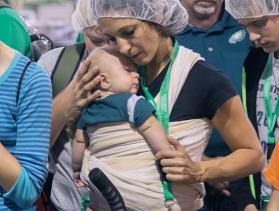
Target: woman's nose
[[123, 46]]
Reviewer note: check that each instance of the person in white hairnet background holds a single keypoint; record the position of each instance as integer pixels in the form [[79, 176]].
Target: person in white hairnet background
[[261, 19], [195, 98], [64, 195]]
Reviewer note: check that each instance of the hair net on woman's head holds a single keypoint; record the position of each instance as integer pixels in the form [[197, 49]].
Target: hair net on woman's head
[[168, 13], [240, 9], [82, 17]]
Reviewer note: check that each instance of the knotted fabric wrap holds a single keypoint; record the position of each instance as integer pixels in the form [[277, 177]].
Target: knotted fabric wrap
[[126, 158]]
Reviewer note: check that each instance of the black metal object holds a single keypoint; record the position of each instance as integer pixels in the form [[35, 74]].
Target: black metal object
[[109, 191]]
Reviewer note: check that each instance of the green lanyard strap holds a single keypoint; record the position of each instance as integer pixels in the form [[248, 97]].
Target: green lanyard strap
[[244, 102], [162, 113], [271, 116], [243, 90]]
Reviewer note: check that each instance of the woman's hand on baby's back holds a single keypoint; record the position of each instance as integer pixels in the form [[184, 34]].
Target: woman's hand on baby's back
[[178, 165]]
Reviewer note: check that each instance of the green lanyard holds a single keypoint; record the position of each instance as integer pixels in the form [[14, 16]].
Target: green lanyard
[[162, 113], [243, 90], [271, 116], [244, 102]]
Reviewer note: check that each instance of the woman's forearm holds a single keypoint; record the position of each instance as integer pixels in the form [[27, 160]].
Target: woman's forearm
[[9, 169], [179, 166], [237, 131], [238, 164], [59, 105]]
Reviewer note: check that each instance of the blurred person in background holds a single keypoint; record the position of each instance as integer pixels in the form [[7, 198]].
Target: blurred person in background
[[17, 4], [25, 110], [64, 195], [13, 31], [261, 19], [223, 42]]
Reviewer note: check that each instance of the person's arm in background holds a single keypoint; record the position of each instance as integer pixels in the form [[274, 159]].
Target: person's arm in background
[[271, 173], [8, 178], [14, 33], [273, 204], [246, 158], [23, 173]]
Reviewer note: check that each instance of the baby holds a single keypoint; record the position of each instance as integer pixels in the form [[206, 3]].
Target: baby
[[118, 103]]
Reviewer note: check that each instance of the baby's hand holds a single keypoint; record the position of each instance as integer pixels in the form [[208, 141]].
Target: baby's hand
[[77, 181]]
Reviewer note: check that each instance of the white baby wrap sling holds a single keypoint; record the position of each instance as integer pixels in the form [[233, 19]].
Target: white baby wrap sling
[[127, 160]]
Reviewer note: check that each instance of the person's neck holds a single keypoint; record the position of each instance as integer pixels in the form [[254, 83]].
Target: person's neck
[[205, 23], [160, 60], [6, 56]]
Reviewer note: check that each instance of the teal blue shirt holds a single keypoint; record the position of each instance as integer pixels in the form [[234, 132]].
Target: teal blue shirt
[[225, 45], [118, 107]]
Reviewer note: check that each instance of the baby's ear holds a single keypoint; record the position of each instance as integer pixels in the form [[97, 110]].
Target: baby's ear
[[104, 84]]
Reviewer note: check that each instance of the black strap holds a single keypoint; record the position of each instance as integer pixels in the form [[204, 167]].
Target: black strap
[[20, 81], [108, 190], [66, 67], [63, 72]]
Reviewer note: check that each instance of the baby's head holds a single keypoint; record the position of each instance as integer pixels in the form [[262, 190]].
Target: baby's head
[[118, 72]]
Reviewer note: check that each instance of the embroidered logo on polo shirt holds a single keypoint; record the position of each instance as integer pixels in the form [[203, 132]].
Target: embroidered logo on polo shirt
[[237, 37]]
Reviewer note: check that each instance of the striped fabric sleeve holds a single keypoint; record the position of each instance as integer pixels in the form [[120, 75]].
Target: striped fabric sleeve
[[33, 129]]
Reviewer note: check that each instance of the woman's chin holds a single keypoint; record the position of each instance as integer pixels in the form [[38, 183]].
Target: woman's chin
[[141, 61]]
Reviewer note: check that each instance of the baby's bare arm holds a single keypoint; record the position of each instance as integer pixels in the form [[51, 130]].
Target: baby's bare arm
[[79, 144], [154, 134]]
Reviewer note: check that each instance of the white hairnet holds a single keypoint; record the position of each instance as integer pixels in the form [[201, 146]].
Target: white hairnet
[[240, 9], [82, 17], [168, 13]]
